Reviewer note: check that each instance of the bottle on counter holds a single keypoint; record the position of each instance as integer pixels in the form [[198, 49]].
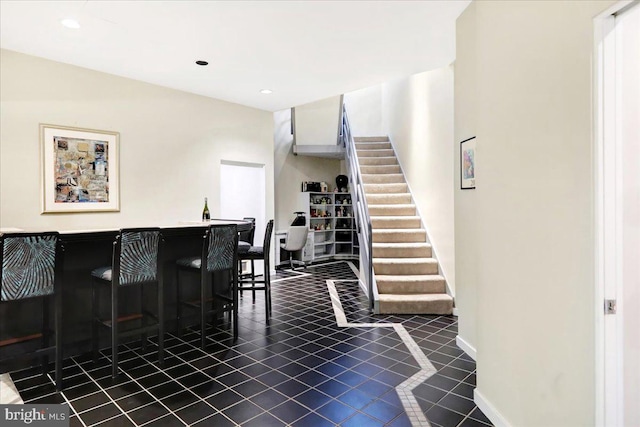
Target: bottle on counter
[[206, 215]]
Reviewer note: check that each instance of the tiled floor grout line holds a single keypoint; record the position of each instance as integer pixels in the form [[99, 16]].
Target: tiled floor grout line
[[109, 397], [404, 390]]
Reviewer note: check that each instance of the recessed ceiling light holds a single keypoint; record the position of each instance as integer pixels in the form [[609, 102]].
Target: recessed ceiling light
[[203, 63], [266, 91], [70, 23]]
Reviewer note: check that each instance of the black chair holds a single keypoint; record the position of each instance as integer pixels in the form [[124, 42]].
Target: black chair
[[245, 241], [32, 268], [219, 256], [137, 260], [259, 253]]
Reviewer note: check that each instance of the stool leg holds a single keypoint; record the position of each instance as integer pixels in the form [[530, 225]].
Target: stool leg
[[58, 338], [161, 323], [203, 281], [44, 360], [114, 330], [234, 292], [144, 336], [178, 303], [267, 289], [253, 280], [95, 337]]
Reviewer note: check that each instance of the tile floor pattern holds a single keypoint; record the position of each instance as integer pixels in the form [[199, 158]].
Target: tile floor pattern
[[301, 370]]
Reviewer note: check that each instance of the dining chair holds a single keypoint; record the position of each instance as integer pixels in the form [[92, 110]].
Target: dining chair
[[245, 241], [31, 267], [219, 258], [261, 253], [136, 261]]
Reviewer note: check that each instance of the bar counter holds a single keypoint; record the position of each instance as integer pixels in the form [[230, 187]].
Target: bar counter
[[86, 250]]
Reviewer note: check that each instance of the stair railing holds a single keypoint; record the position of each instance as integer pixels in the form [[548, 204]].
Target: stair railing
[[361, 211]]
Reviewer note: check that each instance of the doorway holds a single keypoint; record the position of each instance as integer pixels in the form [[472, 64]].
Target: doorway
[[618, 216], [243, 194]]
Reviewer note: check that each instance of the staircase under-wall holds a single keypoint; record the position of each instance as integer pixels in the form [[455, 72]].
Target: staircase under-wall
[[406, 273]]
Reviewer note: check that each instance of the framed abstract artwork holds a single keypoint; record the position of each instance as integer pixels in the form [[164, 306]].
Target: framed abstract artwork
[[468, 164], [79, 170]]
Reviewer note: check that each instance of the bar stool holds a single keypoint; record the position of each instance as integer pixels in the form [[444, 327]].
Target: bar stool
[[219, 255], [260, 253], [137, 260], [32, 268], [245, 241]]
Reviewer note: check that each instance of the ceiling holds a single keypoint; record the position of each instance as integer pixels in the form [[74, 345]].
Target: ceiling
[[301, 50]]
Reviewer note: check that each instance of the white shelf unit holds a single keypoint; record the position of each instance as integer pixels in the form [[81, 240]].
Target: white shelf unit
[[331, 224]]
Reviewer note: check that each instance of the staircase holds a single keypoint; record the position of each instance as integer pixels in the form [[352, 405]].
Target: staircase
[[405, 271]]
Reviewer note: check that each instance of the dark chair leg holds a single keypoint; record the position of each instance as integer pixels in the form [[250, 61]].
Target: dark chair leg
[[144, 337], [44, 359], [253, 280], [203, 287], [95, 333], [114, 330], [234, 312], [178, 303], [267, 289], [58, 338], [161, 323]]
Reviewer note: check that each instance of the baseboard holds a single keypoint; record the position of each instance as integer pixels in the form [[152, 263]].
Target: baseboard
[[455, 311], [466, 347], [489, 410]]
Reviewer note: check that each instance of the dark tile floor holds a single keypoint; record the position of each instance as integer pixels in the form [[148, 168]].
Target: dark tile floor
[[301, 370]]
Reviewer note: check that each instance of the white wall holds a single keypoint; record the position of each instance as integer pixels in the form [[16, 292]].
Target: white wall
[[417, 114], [364, 108], [171, 143], [533, 207], [317, 122], [291, 170]]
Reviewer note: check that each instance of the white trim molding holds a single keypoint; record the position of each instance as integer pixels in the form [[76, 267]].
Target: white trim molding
[[489, 410], [466, 347]]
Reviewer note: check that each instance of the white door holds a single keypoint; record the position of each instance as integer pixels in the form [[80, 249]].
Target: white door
[[628, 112], [618, 213], [243, 194]]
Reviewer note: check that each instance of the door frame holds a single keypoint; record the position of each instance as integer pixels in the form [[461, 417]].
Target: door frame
[[607, 155]]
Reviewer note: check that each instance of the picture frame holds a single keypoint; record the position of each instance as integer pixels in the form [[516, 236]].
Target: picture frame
[[80, 169], [468, 164]]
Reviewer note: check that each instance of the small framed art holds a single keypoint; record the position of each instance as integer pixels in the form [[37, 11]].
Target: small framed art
[[79, 170], [468, 164]]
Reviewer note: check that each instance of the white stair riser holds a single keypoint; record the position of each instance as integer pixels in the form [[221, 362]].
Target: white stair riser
[[400, 236], [396, 178], [388, 199], [400, 251], [391, 210], [385, 188], [377, 161], [383, 223]]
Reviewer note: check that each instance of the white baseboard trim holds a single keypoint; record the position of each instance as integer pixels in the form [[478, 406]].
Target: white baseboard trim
[[455, 311], [466, 347], [489, 410]]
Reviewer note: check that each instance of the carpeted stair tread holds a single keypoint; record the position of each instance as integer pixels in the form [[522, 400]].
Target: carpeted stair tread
[[401, 266], [395, 222], [400, 235], [386, 188], [404, 250], [411, 284], [373, 146], [375, 153], [415, 304], [380, 169], [388, 198], [383, 178], [396, 209], [377, 161], [357, 139]]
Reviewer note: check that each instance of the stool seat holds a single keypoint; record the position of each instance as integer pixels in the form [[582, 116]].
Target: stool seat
[[254, 252], [190, 262], [103, 273], [243, 247]]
